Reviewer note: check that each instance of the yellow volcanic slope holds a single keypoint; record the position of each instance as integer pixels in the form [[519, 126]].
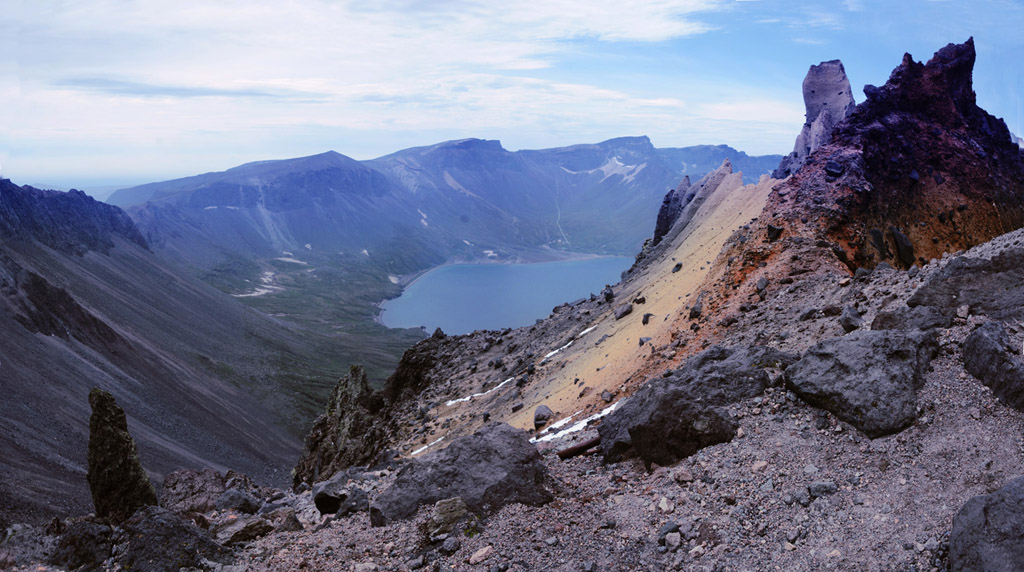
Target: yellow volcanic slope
[[619, 363]]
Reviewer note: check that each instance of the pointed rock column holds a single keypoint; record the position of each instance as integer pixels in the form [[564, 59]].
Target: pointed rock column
[[118, 483], [828, 99]]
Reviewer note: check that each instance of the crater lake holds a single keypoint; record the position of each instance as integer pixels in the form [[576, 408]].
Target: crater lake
[[460, 298]]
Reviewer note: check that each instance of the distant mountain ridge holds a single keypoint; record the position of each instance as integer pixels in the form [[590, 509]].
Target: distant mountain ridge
[[466, 199]]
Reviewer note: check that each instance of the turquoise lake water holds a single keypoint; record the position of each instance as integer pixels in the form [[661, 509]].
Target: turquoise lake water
[[461, 298]]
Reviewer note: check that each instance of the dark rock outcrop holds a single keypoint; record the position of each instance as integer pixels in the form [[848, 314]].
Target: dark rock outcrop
[[84, 545], [494, 467], [867, 378], [673, 417], [155, 539], [347, 434], [994, 288], [118, 483], [828, 99], [989, 356], [987, 532], [671, 207], [187, 491]]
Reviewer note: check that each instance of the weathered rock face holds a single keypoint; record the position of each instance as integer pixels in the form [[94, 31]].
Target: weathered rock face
[[994, 288], [347, 434], [673, 417], [987, 532], [188, 491], [989, 356], [116, 478], [867, 378], [494, 467], [828, 99], [155, 539]]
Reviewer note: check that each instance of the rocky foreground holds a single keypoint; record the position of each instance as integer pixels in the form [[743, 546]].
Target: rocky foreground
[[819, 396]]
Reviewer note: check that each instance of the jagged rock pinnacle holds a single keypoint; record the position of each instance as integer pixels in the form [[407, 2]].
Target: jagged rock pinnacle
[[828, 100], [118, 483]]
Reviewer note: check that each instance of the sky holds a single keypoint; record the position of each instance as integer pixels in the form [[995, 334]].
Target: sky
[[98, 93]]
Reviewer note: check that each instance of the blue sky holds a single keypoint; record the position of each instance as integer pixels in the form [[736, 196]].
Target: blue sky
[[105, 92]]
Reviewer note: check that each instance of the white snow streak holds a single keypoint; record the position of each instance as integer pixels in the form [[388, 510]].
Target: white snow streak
[[468, 397]]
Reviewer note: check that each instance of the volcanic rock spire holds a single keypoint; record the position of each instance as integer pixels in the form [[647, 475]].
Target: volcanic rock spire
[[828, 100], [116, 478]]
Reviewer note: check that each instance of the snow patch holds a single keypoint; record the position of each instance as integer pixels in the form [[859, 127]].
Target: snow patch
[[427, 446], [308, 246], [468, 243], [292, 260], [578, 336], [365, 252], [209, 208], [393, 278], [578, 426], [468, 397], [491, 254]]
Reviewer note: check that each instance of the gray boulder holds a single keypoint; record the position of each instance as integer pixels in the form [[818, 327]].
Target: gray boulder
[[188, 491], [155, 539], [237, 500], [867, 378], [987, 532], [850, 319], [673, 417], [916, 318], [994, 288], [118, 483], [339, 496], [542, 415], [494, 467], [989, 356]]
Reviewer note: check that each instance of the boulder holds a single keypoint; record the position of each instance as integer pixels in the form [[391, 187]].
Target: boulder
[[118, 483], [243, 529], [987, 532], [994, 288], [850, 319], [990, 357], [155, 539], [494, 467], [867, 378], [672, 417], [84, 545], [187, 491], [237, 500], [339, 497], [623, 311], [908, 319], [542, 415]]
